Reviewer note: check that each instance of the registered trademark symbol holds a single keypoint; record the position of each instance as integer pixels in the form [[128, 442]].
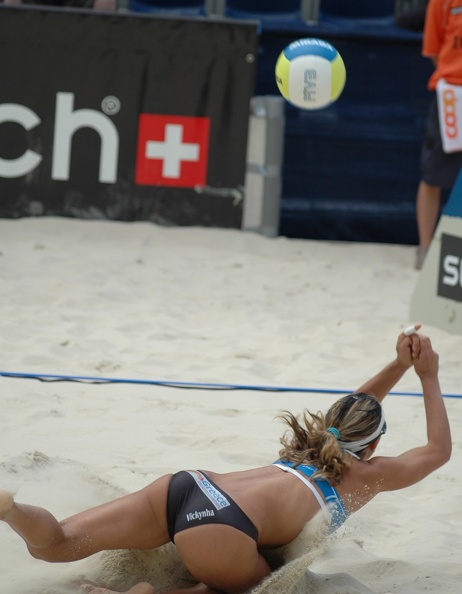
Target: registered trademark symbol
[[110, 105]]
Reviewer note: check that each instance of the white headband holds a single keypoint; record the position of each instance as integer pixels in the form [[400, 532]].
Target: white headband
[[357, 446]]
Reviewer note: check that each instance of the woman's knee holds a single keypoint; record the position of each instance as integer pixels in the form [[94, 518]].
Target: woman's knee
[[42, 554], [59, 553]]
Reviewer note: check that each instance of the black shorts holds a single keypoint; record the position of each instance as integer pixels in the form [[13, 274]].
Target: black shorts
[[438, 168], [194, 500]]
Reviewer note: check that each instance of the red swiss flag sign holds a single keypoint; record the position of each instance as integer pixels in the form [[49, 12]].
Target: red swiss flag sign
[[172, 150]]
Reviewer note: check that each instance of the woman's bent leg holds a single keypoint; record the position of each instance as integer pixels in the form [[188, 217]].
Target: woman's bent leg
[[145, 588], [136, 521], [142, 588], [37, 527], [222, 557]]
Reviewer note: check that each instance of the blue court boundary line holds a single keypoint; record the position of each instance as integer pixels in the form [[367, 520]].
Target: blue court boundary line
[[189, 385]]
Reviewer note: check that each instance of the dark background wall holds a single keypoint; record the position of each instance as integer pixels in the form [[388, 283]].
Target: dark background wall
[[351, 170]]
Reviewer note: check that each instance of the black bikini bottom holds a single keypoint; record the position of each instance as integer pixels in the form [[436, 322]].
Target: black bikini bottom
[[194, 500]]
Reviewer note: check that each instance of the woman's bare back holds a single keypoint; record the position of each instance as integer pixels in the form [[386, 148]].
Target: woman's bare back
[[276, 502]]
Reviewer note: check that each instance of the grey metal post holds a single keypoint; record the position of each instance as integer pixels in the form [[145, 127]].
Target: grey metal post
[[215, 8], [263, 181], [310, 11]]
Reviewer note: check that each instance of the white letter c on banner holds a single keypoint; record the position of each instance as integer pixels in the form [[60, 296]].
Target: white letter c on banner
[[28, 119]]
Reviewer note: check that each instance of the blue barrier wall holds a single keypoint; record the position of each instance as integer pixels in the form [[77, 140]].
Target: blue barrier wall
[[351, 171]]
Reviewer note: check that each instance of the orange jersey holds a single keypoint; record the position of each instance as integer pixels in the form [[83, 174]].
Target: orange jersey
[[443, 40]]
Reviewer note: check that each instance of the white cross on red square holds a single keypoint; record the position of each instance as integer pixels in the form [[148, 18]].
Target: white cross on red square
[[172, 150]]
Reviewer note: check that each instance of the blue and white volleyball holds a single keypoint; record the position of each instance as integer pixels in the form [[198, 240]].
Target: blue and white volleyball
[[310, 73]]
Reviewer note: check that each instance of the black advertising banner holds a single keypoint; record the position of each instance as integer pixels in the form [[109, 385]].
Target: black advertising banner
[[125, 117]]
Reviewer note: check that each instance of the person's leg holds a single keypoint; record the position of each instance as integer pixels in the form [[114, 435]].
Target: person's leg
[[35, 525], [427, 208], [136, 521], [436, 172], [142, 588], [221, 556], [145, 588]]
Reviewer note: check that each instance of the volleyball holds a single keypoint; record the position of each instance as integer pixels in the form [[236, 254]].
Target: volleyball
[[310, 73]]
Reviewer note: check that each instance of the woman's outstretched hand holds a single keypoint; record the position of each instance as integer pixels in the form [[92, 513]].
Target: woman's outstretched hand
[[408, 346], [426, 362]]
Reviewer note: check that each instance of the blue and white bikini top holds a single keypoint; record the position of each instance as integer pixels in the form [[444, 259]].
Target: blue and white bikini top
[[332, 502]]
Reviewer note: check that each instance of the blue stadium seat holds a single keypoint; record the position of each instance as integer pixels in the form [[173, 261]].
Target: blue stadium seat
[[379, 12], [263, 7], [169, 7], [274, 14]]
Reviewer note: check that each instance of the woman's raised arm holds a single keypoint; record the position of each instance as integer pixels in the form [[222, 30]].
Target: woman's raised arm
[[419, 462]]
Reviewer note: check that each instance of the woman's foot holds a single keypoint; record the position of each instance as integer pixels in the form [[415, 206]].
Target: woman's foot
[[142, 588], [6, 503]]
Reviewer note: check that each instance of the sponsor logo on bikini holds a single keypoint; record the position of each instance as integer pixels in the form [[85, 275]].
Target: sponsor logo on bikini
[[198, 515], [214, 495]]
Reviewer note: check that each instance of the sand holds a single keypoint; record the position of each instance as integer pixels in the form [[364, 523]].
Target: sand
[[137, 302]]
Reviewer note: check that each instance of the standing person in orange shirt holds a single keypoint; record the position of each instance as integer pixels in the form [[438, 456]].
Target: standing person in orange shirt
[[442, 42]]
